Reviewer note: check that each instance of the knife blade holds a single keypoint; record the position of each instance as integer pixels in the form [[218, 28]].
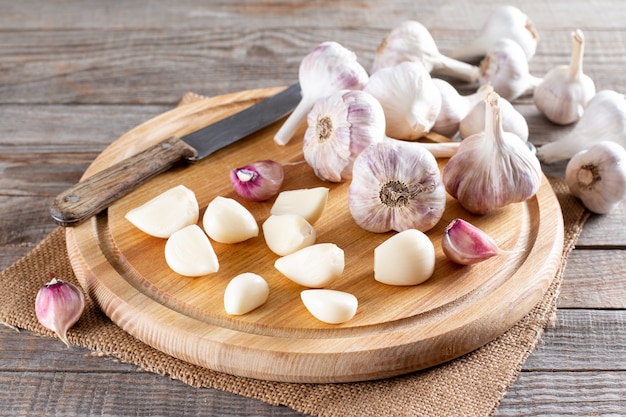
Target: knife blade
[[95, 193]]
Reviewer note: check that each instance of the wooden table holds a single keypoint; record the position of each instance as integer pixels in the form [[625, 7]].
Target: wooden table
[[75, 75]]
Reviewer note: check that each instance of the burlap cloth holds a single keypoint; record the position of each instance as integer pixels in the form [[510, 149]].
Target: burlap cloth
[[472, 385]]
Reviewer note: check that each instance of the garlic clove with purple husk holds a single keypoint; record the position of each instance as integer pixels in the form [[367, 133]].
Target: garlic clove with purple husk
[[565, 89], [227, 221], [409, 98], [58, 306], [314, 266], [396, 185], [455, 107], [406, 258], [504, 22], [339, 128], [258, 181], [492, 169], [512, 120], [330, 306], [604, 119], [597, 176], [466, 244], [505, 67], [412, 42], [328, 68]]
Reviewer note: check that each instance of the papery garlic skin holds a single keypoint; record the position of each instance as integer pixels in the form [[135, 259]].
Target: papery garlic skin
[[189, 252], [409, 98], [455, 107], [328, 68], [330, 306], [512, 120], [258, 181], [287, 233], [412, 42], [244, 293], [396, 186], [565, 89], [604, 119], [314, 266], [492, 169], [505, 67], [227, 221], [58, 306], [504, 22], [406, 258], [466, 244], [598, 176], [339, 128]]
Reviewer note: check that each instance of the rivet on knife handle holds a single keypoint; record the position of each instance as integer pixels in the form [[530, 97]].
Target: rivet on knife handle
[[97, 192]]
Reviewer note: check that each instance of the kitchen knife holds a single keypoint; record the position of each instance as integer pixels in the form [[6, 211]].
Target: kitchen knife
[[97, 192]]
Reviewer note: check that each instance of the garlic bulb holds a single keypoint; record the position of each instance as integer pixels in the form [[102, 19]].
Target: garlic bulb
[[604, 119], [409, 98], [505, 21], [512, 120], [396, 186], [412, 42], [505, 67], [58, 306], [598, 176], [492, 169], [455, 107], [565, 90], [339, 128], [328, 68]]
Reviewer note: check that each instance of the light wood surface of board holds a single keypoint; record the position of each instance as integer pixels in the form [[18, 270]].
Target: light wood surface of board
[[396, 329]]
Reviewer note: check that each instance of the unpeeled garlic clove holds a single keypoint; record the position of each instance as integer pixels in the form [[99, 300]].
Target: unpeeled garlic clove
[[565, 89], [166, 213], [406, 258], [512, 120], [287, 233], [306, 202], [258, 181], [314, 266], [227, 221], [330, 306], [189, 252], [245, 293], [58, 306], [466, 244]]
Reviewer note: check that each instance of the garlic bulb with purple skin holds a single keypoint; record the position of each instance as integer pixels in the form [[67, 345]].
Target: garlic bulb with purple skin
[[328, 68], [258, 181], [565, 89], [339, 128], [58, 306], [396, 186], [466, 244], [411, 41], [492, 169]]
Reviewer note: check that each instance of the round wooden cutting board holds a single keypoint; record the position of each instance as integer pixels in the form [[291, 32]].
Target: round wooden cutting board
[[396, 330]]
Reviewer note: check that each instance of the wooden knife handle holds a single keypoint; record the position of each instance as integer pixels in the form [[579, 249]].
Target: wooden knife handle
[[97, 192]]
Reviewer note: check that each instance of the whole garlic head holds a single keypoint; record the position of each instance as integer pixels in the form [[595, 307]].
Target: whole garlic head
[[409, 98], [492, 169], [565, 89]]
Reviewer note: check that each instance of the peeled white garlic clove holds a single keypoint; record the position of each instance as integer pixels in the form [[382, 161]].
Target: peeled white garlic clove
[[604, 119], [455, 107], [245, 293], [166, 213], [328, 68], [330, 306], [466, 244], [492, 169], [396, 185], [512, 120], [58, 306], [287, 233], [409, 98], [565, 89], [189, 252], [598, 176], [258, 181], [227, 221], [315, 266], [504, 22], [412, 42], [339, 128], [406, 258], [306, 202], [505, 67]]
